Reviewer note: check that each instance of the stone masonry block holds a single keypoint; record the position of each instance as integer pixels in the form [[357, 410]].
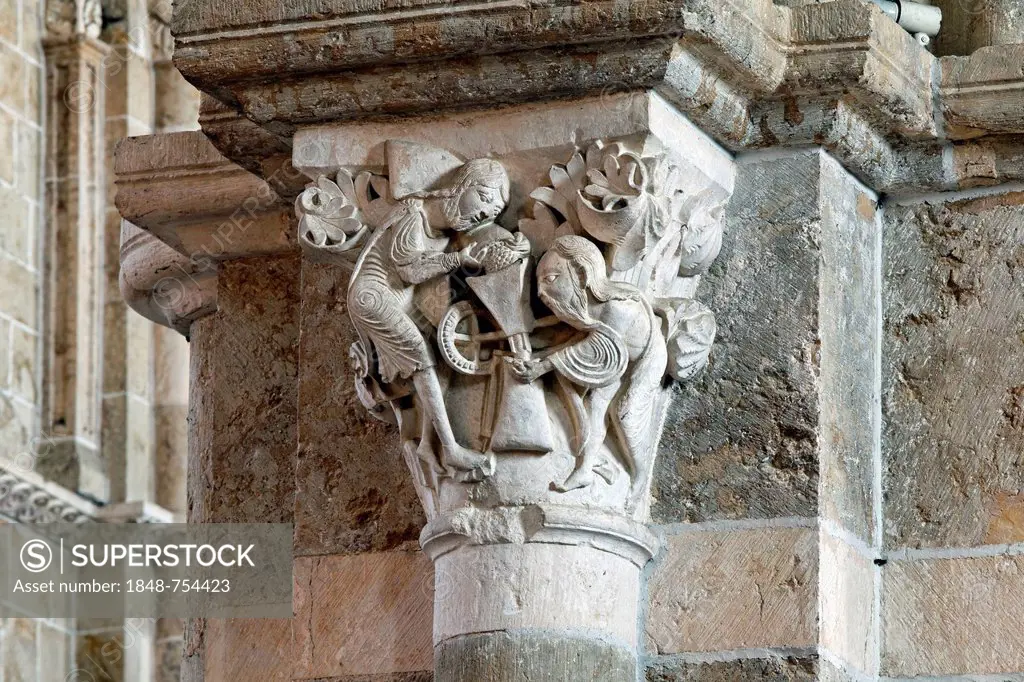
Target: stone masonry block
[[953, 399], [724, 590]]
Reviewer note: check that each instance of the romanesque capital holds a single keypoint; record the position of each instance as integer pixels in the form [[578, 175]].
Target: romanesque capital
[[526, 355]]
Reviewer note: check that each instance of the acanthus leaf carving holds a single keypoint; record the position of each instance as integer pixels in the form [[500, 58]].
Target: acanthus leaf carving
[[528, 363], [336, 216]]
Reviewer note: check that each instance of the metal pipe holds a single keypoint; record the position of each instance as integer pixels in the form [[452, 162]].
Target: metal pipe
[[921, 20]]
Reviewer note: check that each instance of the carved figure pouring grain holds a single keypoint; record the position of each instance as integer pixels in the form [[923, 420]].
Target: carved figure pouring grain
[[407, 251]]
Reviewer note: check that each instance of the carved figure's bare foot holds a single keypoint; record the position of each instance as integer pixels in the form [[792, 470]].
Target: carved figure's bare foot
[[583, 477], [426, 454], [468, 466]]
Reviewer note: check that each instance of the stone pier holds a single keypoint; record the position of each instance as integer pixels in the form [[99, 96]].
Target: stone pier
[[659, 341]]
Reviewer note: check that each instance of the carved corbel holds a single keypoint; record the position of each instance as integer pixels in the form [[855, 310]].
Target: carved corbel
[[163, 285], [186, 209]]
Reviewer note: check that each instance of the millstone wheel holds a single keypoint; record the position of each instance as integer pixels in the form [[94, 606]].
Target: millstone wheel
[[457, 337]]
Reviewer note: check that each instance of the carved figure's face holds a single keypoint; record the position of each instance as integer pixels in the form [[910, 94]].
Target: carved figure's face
[[560, 289], [478, 204]]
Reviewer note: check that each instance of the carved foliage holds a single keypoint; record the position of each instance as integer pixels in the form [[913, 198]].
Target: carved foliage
[[336, 216], [657, 235]]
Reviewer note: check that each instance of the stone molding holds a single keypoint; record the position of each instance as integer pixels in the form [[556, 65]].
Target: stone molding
[[543, 524], [27, 497], [754, 75], [186, 208], [180, 188]]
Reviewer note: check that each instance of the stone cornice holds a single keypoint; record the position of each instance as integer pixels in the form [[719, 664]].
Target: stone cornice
[[26, 497], [983, 93], [325, 37], [839, 74]]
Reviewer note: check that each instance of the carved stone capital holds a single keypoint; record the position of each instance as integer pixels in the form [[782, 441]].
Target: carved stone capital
[[521, 316], [524, 288]]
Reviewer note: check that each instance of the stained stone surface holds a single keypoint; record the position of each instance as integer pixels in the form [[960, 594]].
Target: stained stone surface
[[740, 442], [944, 617], [789, 395], [537, 656], [354, 491], [368, 614], [246, 649], [774, 669], [728, 590], [243, 397], [953, 393]]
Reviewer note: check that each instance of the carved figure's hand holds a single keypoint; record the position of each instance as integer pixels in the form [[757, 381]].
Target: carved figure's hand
[[473, 256], [519, 244], [527, 371]]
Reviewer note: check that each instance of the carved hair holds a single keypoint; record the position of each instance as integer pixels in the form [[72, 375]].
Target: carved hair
[[589, 265], [476, 173]]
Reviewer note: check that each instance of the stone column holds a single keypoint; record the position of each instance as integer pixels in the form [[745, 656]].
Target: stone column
[[72, 280]]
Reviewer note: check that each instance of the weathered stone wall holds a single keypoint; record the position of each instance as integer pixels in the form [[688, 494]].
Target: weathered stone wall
[[21, 204], [29, 649], [90, 397], [953, 436]]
